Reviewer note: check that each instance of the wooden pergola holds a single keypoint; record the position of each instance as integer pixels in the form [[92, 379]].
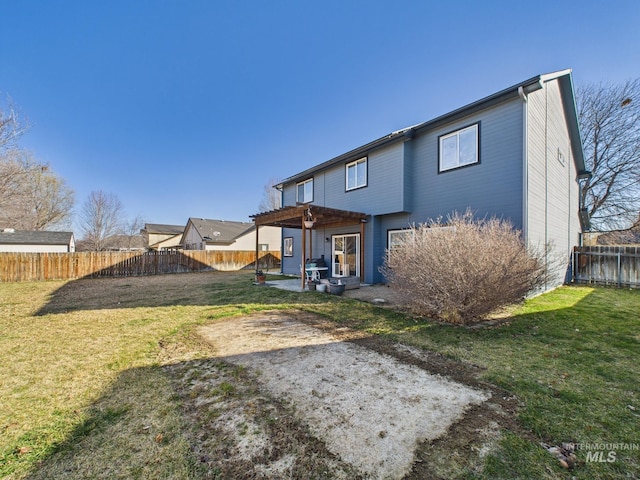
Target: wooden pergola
[[310, 217]]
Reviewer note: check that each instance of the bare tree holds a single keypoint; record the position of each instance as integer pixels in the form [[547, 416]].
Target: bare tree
[[271, 197], [132, 229], [100, 219], [32, 196], [12, 126], [609, 117]]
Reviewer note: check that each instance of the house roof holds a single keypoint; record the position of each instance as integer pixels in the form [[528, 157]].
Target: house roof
[[220, 232], [25, 237], [525, 87], [161, 228]]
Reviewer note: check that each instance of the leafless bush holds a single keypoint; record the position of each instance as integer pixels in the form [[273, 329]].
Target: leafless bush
[[464, 269]]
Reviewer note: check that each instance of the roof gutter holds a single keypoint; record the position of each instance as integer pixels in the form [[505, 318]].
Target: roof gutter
[[355, 153]]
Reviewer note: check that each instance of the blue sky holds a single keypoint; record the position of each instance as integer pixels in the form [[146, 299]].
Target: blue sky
[[188, 108]]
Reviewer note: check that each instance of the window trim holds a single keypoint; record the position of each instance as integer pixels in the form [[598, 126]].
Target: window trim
[[457, 133], [297, 191], [392, 231], [287, 247], [365, 161]]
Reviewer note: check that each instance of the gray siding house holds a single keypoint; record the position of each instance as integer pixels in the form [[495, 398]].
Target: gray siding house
[[516, 154]]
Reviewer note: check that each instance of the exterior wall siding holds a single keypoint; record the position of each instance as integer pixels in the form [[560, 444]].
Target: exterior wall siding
[[538, 194], [384, 193], [491, 187], [192, 240], [553, 224], [291, 265], [404, 185]]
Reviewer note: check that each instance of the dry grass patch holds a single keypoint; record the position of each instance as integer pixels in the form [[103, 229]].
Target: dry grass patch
[[64, 375], [107, 379]]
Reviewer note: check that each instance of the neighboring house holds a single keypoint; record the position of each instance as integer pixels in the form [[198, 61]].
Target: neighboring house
[[630, 237], [36, 242], [163, 237], [204, 234], [126, 243], [115, 243], [516, 154]]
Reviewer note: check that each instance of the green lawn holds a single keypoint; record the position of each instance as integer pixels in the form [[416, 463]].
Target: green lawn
[[80, 372]]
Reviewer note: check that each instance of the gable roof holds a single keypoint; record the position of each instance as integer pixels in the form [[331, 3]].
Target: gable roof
[[522, 88], [161, 228], [25, 237], [220, 232]]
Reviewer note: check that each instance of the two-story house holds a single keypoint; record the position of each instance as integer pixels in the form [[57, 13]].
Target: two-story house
[[516, 154]]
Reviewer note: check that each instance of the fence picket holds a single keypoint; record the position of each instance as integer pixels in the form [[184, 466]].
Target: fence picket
[[607, 265], [22, 267]]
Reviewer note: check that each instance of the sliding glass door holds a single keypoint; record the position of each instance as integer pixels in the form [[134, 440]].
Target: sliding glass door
[[346, 255]]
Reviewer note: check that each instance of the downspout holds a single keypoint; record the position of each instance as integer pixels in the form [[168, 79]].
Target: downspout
[[525, 166], [546, 187]]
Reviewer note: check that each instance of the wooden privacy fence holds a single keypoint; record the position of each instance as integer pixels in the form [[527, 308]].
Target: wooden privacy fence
[[24, 267], [607, 265]]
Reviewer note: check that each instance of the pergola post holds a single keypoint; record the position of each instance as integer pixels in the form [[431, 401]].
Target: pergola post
[[361, 251], [293, 216], [303, 271], [257, 252]]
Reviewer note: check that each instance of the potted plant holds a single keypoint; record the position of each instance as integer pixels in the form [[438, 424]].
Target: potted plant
[[260, 276], [311, 284], [336, 288]]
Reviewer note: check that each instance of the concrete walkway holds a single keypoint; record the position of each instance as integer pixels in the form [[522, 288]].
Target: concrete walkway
[[293, 285]]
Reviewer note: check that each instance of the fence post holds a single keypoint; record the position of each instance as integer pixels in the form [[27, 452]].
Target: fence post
[[619, 270]]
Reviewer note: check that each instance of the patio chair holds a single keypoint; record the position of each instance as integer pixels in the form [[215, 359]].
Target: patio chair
[[308, 274]]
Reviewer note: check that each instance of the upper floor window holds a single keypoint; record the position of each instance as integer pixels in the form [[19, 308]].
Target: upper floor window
[[459, 148], [305, 191], [357, 174]]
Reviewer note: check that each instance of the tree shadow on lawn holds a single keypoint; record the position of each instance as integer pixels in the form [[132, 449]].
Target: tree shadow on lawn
[[198, 419], [208, 418], [184, 289], [571, 361]]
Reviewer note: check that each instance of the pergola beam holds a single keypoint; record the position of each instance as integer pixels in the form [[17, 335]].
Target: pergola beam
[[323, 217]]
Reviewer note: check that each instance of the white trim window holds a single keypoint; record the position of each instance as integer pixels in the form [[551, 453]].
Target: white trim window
[[459, 148], [304, 191], [288, 246], [398, 237], [356, 174]]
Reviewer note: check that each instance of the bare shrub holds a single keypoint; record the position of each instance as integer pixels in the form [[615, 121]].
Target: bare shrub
[[462, 270]]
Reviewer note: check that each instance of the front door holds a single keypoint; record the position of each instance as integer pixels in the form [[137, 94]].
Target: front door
[[346, 255]]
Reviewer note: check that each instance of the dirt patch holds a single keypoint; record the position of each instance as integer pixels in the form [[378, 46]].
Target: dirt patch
[[379, 294], [371, 409]]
